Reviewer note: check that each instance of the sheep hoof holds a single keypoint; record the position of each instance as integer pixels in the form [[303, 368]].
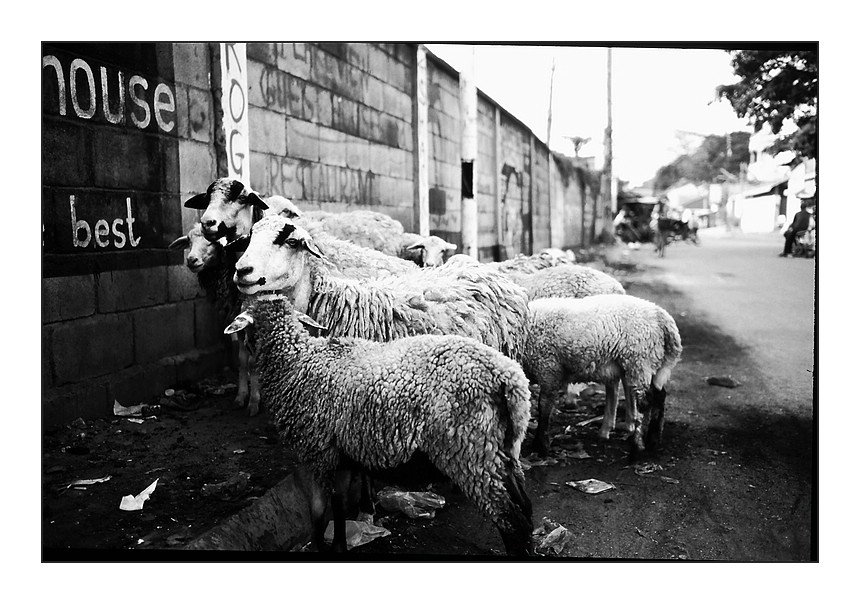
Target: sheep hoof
[[253, 409], [603, 434], [240, 399]]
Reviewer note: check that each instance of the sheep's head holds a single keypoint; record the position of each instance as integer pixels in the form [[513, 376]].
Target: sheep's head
[[271, 304], [229, 209], [276, 256], [429, 251], [201, 252]]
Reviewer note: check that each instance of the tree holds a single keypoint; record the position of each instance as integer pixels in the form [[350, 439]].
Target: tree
[[776, 87], [707, 162]]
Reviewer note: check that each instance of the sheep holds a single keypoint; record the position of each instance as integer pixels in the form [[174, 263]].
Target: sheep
[[570, 281], [283, 256], [603, 338], [377, 231], [346, 401], [541, 279], [230, 208], [214, 267]]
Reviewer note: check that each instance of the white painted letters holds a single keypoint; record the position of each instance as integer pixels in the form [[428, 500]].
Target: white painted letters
[[79, 64], [140, 102], [100, 232], [162, 104], [77, 225], [234, 104], [130, 221], [113, 119], [52, 61], [169, 105]]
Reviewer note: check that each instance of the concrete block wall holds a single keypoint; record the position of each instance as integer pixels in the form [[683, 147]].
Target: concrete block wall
[[332, 125], [443, 122], [540, 197], [124, 324]]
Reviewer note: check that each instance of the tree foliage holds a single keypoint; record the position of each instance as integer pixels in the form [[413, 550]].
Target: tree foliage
[[778, 86], [708, 162]]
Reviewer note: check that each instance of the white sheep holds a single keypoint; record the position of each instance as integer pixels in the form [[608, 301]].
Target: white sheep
[[377, 231], [345, 401], [543, 276], [603, 338], [569, 281], [214, 267], [282, 256]]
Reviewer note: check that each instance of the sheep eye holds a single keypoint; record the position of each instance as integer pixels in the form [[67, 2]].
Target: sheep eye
[[293, 242]]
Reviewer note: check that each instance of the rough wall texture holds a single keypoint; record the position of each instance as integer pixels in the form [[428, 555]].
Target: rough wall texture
[[125, 137], [332, 125], [129, 131]]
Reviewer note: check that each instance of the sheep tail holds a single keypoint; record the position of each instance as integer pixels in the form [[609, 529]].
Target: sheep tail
[[671, 350]]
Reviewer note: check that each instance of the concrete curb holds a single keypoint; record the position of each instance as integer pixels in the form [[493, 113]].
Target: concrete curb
[[277, 521]]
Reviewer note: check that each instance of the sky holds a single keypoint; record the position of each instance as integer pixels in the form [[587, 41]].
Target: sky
[[656, 92]]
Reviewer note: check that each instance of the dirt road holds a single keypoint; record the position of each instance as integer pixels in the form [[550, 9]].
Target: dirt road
[[734, 480]]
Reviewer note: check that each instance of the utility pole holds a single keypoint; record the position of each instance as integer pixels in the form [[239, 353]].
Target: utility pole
[[611, 185], [554, 231], [468, 154]]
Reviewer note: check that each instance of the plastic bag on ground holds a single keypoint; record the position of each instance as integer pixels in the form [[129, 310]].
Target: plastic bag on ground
[[357, 533], [592, 486], [551, 538], [415, 504]]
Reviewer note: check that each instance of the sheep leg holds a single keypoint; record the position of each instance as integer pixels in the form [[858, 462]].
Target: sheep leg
[[365, 504], [318, 496], [515, 522], [343, 479], [653, 418], [610, 411], [242, 392], [630, 410], [546, 404], [637, 440], [254, 381]]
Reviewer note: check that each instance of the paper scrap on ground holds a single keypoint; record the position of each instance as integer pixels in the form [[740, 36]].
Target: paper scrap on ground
[[585, 422], [131, 503], [357, 533], [592, 486], [121, 411], [89, 481], [415, 504]]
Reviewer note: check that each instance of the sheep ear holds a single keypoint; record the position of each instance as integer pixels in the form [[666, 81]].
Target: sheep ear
[[242, 321], [416, 246], [180, 243], [450, 246], [198, 202], [255, 200], [314, 328], [311, 247]]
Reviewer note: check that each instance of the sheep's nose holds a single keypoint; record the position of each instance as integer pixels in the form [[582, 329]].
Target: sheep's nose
[[208, 223], [244, 270]]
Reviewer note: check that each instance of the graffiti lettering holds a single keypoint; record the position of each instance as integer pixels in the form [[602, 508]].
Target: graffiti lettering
[[234, 82], [100, 230], [85, 95]]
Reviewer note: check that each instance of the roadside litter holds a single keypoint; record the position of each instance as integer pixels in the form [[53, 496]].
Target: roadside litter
[[131, 503], [725, 381], [357, 533], [592, 486], [228, 490], [552, 538], [415, 504]]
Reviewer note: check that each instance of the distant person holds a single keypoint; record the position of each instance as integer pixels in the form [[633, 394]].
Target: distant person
[[800, 223]]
